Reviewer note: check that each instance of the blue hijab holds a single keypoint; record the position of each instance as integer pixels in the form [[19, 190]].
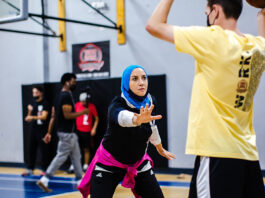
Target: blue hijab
[[136, 101]]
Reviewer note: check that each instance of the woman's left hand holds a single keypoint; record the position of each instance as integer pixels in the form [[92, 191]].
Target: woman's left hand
[[164, 152]]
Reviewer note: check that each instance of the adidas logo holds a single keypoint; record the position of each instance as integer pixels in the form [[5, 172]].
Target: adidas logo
[[99, 175]]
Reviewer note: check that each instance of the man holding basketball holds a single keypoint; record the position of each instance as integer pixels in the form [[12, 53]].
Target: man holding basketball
[[229, 65]]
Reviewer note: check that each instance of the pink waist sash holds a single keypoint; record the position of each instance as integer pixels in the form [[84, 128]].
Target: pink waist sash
[[104, 157]]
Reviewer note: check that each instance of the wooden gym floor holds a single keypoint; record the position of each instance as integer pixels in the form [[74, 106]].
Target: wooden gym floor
[[13, 185]]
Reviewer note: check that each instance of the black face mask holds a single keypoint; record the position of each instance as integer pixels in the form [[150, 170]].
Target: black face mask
[[208, 21], [88, 100], [36, 98], [72, 87]]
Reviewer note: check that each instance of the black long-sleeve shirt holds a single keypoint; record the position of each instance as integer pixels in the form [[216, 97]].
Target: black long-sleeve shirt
[[126, 144]]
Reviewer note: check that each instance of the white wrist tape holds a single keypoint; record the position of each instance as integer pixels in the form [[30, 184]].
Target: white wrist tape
[[155, 137], [125, 118]]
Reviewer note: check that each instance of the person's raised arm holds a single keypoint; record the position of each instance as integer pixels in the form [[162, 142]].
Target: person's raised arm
[[127, 118], [28, 118], [261, 23], [157, 23], [30, 109]]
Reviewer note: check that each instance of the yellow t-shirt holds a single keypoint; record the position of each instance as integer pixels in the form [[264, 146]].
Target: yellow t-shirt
[[228, 70]]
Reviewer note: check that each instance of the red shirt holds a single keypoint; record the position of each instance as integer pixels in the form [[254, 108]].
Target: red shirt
[[84, 123]]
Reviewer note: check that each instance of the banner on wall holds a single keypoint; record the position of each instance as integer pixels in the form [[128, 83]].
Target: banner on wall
[[91, 60]]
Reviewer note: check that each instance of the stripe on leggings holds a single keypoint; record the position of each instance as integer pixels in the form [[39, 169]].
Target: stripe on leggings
[[203, 178]]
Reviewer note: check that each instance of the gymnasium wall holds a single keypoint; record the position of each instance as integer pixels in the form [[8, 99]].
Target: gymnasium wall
[[22, 63]]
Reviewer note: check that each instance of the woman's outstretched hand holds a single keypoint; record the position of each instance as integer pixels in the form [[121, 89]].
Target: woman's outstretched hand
[[145, 115], [164, 152]]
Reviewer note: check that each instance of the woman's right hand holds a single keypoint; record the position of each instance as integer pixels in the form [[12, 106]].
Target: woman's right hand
[[145, 115]]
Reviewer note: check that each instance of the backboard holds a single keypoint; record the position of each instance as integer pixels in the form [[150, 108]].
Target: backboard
[[13, 10]]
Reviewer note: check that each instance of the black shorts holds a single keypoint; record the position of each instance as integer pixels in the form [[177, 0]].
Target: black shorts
[[226, 178], [85, 140]]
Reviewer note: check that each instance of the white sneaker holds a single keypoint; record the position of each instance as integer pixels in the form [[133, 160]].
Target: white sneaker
[[85, 167], [43, 184], [71, 169], [78, 182]]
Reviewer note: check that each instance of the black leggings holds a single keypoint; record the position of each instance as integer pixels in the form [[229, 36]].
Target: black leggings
[[35, 142], [103, 184]]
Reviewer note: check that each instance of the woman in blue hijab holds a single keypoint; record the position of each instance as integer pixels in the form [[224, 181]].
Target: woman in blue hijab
[[122, 154], [134, 99]]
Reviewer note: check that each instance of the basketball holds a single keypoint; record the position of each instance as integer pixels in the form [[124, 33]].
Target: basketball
[[257, 3]]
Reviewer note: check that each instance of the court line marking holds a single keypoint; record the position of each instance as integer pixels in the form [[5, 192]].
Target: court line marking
[[74, 192], [59, 195], [67, 180], [19, 189], [32, 179]]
